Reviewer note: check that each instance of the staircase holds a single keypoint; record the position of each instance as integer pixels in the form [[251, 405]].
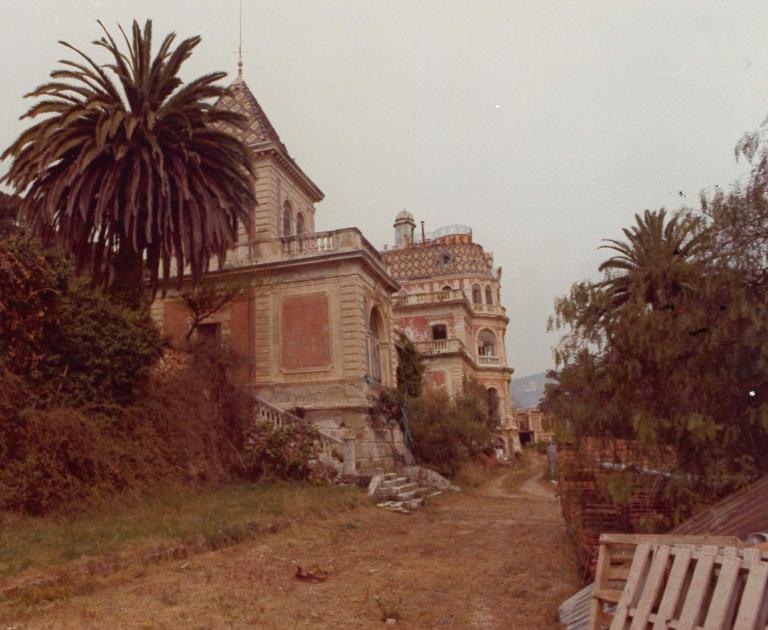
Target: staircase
[[396, 493], [333, 451]]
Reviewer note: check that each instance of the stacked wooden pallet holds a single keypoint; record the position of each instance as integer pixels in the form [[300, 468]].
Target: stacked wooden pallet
[[680, 582]]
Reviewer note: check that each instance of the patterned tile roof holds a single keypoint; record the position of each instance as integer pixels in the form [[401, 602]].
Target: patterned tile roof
[[260, 133], [438, 259], [242, 101]]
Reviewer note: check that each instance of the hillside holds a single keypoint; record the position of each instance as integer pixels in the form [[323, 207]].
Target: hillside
[[527, 391]]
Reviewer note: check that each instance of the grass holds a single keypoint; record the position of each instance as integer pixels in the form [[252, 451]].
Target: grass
[[226, 513]]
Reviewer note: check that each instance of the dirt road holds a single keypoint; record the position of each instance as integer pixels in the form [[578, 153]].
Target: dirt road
[[492, 557]]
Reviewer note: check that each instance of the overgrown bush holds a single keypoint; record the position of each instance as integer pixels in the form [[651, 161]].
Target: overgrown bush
[[68, 341], [289, 451], [187, 428], [445, 431]]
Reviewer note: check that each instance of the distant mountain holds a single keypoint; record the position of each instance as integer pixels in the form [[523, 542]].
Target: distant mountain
[[527, 391]]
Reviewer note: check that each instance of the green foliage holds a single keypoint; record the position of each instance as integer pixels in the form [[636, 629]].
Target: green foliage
[[671, 347], [67, 340], [187, 428], [447, 431], [410, 368], [284, 452]]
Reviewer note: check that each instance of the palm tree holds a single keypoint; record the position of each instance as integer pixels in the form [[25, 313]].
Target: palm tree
[[655, 263], [133, 174]]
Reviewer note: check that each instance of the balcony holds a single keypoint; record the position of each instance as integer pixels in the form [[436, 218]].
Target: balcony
[[429, 298], [452, 295], [486, 361], [494, 309], [439, 346], [299, 246]]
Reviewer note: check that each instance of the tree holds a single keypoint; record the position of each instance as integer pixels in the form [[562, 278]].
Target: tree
[[410, 368], [679, 357], [137, 172], [9, 215], [654, 263]]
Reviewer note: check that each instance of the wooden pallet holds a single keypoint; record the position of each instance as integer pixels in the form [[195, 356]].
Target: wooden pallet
[[694, 587], [615, 556]]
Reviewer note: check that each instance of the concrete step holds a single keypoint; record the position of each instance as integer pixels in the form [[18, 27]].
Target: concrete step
[[403, 487], [393, 481], [406, 496], [390, 476]]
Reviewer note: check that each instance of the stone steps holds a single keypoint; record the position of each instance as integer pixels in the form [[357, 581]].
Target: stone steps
[[396, 493]]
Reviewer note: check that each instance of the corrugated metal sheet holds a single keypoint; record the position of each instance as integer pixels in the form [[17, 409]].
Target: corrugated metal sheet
[[737, 515], [574, 611]]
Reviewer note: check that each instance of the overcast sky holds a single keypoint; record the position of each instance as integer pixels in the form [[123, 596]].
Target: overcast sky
[[545, 125]]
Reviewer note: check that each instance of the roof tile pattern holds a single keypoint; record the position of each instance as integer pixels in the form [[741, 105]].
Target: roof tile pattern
[[436, 260], [242, 101]]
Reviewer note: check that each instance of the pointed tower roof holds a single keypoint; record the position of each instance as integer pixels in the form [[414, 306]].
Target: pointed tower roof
[[261, 136]]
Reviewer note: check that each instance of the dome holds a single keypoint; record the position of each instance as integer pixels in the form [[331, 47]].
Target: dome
[[404, 215]]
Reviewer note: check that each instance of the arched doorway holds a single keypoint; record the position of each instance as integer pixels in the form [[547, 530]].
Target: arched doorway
[[299, 224], [486, 343]]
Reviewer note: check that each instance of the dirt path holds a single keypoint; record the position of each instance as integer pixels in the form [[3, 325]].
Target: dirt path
[[493, 557]]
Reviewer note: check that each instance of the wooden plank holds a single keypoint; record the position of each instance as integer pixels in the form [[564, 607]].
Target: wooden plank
[[670, 539], [601, 570], [752, 599], [634, 584], [652, 587], [725, 590], [674, 585], [696, 592], [610, 595]]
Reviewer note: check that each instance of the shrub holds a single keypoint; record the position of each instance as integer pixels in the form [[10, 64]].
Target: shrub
[[448, 431], [284, 452], [68, 341], [186, 429]]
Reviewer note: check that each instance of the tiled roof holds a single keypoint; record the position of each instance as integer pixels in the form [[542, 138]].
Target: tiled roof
[[260, 134], [242, 101], [438, 259]]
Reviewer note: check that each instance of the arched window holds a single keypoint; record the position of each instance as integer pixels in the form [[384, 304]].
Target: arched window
[[299, 223], [493, 404], [486, 343], [375, 332], [477, 294], [287, 218], [488, 295]]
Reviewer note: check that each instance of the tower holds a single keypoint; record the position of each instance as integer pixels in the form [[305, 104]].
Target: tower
[[404, 227]]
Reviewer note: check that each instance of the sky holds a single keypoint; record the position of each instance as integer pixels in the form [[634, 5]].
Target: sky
[[543, 124]]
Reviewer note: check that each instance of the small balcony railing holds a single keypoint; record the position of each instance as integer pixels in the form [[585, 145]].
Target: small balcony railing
[[488, 360], [307, 244], [429, 298], [439, 346]]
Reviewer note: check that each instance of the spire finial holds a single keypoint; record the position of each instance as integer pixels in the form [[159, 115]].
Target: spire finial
[[240, 46]]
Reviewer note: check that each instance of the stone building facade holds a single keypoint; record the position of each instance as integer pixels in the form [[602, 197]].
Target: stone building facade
[[449, 306], [315, 320], [533, 425]]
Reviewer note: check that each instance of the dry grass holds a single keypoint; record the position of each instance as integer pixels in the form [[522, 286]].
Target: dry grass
[[496, 556], [215, 516]]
